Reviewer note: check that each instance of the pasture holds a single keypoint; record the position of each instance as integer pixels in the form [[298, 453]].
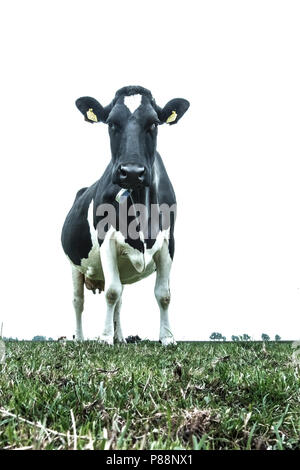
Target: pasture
[[143, 396]]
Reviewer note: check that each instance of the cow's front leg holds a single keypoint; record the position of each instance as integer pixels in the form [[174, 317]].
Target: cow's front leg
[[113, 287], [78, 300], [118, 335], [163, 263]]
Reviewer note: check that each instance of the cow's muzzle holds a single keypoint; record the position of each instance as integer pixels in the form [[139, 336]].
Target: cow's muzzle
[[131, 176]]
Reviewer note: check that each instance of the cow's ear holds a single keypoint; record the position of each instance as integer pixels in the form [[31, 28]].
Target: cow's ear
[[91, 109], [173, 111]]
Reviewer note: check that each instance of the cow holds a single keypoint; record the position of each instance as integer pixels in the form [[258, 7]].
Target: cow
[[121, 228]]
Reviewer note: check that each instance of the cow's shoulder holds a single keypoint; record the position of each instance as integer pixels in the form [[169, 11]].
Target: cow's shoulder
[[165, 190]]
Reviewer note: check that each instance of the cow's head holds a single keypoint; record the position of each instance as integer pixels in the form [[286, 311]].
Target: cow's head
[[133, 132]]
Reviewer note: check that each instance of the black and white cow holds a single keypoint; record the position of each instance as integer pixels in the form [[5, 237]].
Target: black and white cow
[[121, 229]]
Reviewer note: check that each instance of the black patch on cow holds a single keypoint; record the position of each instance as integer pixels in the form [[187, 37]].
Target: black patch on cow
[[76, 237], [80, 192]]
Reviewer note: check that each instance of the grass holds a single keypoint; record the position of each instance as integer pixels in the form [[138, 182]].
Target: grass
[[144, 396]]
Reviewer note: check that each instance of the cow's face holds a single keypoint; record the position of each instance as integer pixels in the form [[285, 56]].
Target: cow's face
[[133, 137], [132, 131]]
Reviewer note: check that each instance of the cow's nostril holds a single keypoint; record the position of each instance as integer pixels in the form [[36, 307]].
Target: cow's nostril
[[131, 174]]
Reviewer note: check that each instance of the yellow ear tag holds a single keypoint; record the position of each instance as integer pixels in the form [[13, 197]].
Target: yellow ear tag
[[172, 117], [91, 116]]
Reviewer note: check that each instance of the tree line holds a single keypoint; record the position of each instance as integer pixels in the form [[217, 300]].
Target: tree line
[[216, 336]]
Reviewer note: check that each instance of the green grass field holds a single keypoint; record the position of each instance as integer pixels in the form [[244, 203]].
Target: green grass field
[[144, 396]]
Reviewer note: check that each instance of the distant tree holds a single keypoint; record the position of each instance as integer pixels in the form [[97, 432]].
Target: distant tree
[[235, 338], [50, 339], [223, 338], [265, 337], [216, 336], [246, 337], [39, 338], [277, 338]]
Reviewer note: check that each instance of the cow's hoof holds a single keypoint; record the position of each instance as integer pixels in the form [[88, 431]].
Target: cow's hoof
[[105, 339], [167, 341], [120, 341]]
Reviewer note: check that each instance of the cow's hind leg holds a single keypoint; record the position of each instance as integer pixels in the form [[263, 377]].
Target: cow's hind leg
[[118, 335], [78, 300], [163, 263]]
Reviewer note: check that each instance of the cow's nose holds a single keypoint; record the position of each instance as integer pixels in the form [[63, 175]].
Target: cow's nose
[[131, 175]]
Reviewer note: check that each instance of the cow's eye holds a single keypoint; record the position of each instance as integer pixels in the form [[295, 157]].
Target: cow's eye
[[153, 127], [113, 126]]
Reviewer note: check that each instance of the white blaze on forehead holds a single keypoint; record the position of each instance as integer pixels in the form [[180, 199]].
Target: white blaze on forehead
[[132, 102]]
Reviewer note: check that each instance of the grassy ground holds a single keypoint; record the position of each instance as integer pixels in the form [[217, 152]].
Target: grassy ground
[[190, 396]]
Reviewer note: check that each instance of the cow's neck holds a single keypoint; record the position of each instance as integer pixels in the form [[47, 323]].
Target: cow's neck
[[141, 196], [148, 197]]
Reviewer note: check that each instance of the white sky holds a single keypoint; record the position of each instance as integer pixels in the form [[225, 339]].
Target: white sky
[[233, 159]]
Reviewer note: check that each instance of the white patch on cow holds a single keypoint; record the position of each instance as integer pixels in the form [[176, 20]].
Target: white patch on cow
[[156, 175], [93, 259], [133, 102], [142, 262], [91, 266]]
